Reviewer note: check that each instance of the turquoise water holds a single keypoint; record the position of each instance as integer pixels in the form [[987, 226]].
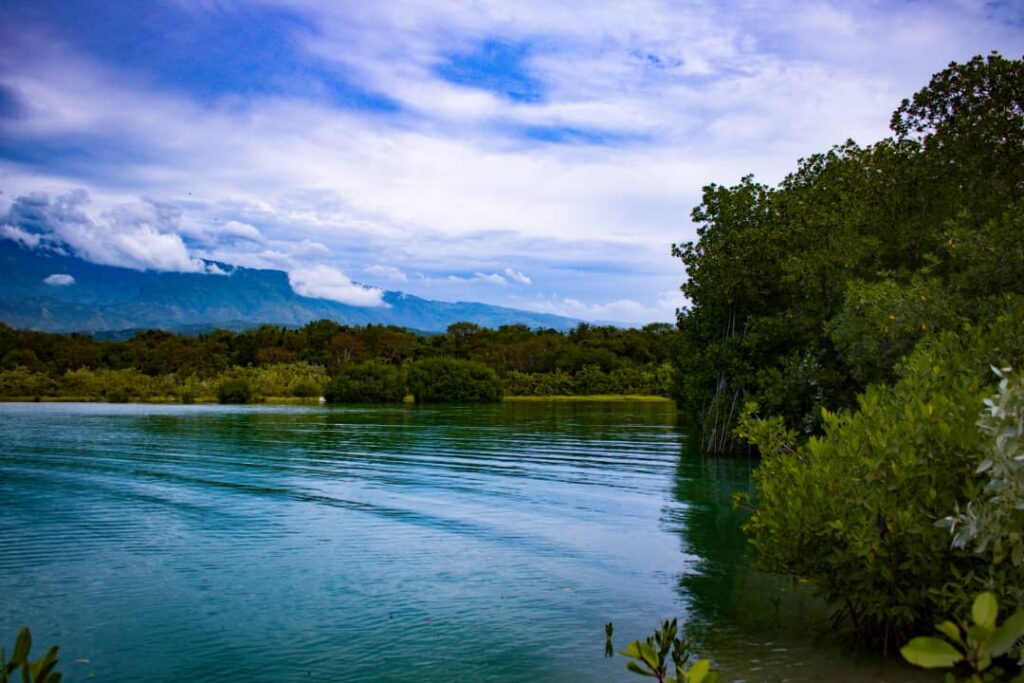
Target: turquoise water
[[483, 543]]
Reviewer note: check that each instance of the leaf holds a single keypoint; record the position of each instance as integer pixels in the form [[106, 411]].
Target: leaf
[[1007, 634], [951, 631], [698, 671], [985, 610], [22, 645], [930, 653], [632, 650], [649, 655], [637, 669]]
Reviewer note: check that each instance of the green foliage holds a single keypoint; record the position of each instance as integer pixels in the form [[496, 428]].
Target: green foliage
[[880, 322], [283, 362], [975, 644], [286, 379], [370, 382], [802, 294], [448, 380], [854, 510], [664, 656], [234, 390], [21, 382], [39, 671], [994, 523]]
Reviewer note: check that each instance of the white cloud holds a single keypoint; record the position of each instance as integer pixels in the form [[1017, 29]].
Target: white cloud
[[673, 96], [486, 278], [624, 310], [130, 235], [59, 279], [386, 272], [325, 282], [518, 276], [16, 234]]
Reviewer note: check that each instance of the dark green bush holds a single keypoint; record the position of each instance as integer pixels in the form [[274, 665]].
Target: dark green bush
[[370, 382], [855, 510], [234, 390], [440, 380]]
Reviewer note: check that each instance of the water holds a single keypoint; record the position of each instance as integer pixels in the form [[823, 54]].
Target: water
[[407, 543]]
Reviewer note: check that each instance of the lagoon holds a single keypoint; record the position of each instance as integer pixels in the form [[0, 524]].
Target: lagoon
[[404, 543]]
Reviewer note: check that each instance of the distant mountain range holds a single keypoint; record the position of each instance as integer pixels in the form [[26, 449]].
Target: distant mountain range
[[35, 293]]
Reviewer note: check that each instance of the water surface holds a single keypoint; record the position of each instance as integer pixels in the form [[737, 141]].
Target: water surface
[[407, 543]]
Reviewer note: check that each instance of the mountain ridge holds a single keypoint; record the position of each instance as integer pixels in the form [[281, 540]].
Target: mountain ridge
[[107, 299]]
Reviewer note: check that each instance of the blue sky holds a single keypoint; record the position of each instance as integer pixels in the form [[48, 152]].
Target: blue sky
[[541, 155]]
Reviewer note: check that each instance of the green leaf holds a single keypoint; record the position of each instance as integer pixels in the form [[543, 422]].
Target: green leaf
[[632, 650], [649, 655], [22, 645], [1007, 634], [930, 653], [698, 671], [985, 610], [637, 669], [42, 668], [951, 631]]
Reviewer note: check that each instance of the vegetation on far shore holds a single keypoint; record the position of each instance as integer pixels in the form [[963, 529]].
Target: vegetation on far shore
[[344, 364]]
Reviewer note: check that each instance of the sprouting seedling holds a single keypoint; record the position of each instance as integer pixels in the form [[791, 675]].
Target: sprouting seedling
[[650, 658], [39, 671]]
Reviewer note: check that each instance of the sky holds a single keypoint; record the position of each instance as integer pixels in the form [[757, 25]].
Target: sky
[[540, 155]]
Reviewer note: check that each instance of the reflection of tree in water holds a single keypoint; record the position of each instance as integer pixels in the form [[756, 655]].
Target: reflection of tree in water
[[727, 597]]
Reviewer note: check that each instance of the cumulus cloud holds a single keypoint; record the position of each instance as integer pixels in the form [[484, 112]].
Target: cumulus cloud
[[325, 282], [129, 235], [59, 279], [478, 277], [387, 272], [518, 276]]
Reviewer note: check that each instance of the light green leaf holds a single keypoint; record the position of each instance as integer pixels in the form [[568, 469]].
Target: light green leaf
[[1006, 635], [698, 671], [985, 610], [930, 653], [950, 630], [632, 650], [649, 655]]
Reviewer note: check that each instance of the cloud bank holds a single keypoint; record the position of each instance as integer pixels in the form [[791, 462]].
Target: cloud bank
[[464, 150]]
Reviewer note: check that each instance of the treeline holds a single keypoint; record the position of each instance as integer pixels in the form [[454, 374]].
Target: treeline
[[280, 362], [846, 324]]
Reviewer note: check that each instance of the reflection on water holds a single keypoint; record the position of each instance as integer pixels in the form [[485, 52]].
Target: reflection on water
[[485, 543]]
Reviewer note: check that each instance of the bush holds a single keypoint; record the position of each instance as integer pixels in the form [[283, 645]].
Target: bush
[[23, 383], [370, 382], [855, 510], [234, 390], [439, 380]]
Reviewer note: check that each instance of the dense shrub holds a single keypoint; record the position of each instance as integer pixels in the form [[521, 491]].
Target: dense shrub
[[234, 390], [369, 382], [23, 383], [436, 380], [286, 379], [855, 510]]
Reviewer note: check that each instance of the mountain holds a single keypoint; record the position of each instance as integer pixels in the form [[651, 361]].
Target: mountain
[[107, 298]]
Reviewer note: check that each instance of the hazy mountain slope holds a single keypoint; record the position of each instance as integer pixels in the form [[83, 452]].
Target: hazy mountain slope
[[113, 298]]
